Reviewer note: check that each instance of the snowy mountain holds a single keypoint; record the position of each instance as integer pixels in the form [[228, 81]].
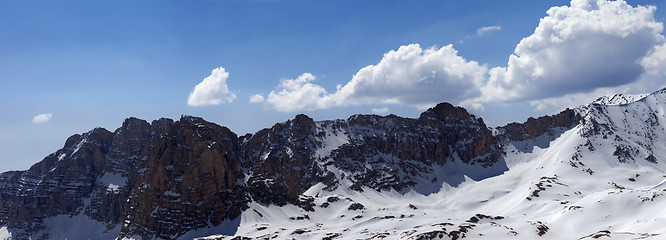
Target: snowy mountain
[[618, 99], [589, 172]]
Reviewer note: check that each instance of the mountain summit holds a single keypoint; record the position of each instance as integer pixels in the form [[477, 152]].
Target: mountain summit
[[592, 171]]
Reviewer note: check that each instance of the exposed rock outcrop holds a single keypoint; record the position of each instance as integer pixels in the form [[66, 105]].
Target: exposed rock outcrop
[[192, 179], [165, 179], [533, 128]]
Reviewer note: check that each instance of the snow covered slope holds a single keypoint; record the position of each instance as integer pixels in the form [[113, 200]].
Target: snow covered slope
[[619, 98], [604, 177], [590, 172]]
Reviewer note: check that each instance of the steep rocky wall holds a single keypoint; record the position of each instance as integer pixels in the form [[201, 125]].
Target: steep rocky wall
[[393, 152], [281, 160], [535, 127], [192, 179], [165, 178]]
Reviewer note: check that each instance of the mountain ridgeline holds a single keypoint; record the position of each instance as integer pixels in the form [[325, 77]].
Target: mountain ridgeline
[[164, 179], [191, 178]]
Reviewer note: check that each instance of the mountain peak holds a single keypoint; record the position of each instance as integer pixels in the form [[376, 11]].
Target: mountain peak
[[445, 110], [191, 178], [619, 99]]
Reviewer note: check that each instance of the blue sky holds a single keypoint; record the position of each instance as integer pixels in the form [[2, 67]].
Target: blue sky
[[84, 64]]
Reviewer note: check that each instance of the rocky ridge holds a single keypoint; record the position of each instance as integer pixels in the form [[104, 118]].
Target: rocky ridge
[[191, 178], [585, 173], [166, 179]]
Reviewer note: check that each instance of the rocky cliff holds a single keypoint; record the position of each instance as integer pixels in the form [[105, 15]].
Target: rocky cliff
[[168, 179], [535, 127], [585, 173], [304, 178]]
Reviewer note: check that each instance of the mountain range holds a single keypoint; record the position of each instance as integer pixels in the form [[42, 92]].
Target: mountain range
[[589, 172]]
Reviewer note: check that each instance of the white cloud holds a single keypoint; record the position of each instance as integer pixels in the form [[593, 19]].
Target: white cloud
[[655, 69], [212, 90], [575, 53], [577, 49], [482, 31], [415, 76], [383, 110], [411, 75], [42, 118], [298, 94], [257, 98], [655, 62]]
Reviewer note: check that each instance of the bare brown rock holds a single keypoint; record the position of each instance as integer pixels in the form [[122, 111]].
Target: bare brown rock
[[192, 178], [533, 128], [164, 179]]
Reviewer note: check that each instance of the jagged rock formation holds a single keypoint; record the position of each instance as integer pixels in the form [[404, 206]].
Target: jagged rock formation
[[160, 180], [382, 153], [589, 172], [59, 184], [533, 128], [618, 99], [635, 127], [165, 179], [191, 178]]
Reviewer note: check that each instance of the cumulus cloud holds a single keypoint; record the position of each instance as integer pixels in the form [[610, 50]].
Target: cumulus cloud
[[577, 49], [383, 110], [415, 76], [655, 68], [482, 31], [299, 94], [575, 53], [42, 118], [212, 90], [410, 75], [257, 98]]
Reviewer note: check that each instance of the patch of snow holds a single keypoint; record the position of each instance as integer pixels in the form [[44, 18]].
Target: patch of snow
[[129, 238], [660, 185], [210, 143], [265, 155], [619, 99], [78, 146], [290, 152], [332, 140], [113, 188], [5, 234], [453, 174]]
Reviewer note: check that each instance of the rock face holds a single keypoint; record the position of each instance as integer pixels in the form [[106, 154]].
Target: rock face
[[192, 179], [633, 124], [281, 161], [166, 179], [59, 184], [156, 180], [533, 128], [399, 153]]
